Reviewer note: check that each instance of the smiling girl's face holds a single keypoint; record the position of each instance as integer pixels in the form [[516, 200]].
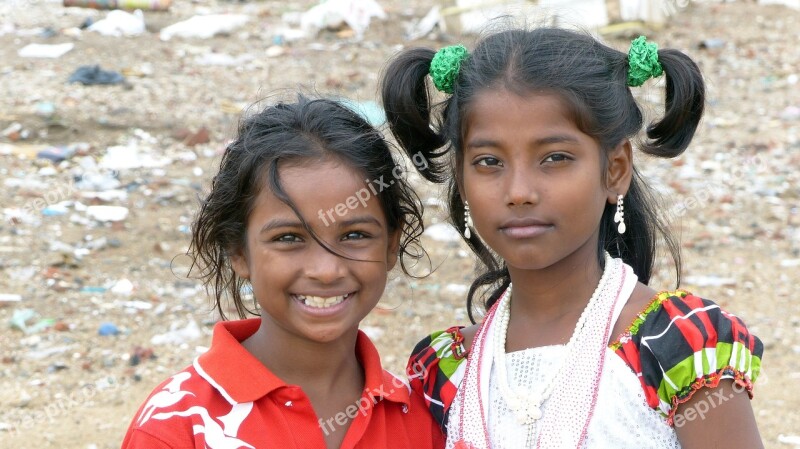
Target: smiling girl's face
[[304, 290], [533, 180]]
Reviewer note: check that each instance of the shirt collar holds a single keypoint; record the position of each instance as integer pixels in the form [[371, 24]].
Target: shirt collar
[[240, 377]]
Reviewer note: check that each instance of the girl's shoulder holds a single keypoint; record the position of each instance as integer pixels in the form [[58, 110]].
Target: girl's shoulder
[[436, 368], [681, 343]]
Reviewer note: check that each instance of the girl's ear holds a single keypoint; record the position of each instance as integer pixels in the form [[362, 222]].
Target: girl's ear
[[392, 250], [240, 266], [619, 171]]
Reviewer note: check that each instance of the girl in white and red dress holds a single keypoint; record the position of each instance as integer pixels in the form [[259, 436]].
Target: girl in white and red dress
[[535, 141]]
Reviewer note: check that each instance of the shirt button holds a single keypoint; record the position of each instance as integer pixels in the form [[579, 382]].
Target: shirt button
[[405, 408], [288, 403]]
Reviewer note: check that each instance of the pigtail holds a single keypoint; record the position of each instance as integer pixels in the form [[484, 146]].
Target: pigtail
[[684, 103], [407, 103]]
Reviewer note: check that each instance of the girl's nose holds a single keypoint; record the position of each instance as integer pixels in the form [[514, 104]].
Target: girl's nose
[[521, 187], [324, 266]]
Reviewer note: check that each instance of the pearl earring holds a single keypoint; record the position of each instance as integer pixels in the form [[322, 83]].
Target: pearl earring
[[619, 216], [467, 221]]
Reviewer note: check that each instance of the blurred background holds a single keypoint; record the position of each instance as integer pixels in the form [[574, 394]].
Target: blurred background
[[112, 121]]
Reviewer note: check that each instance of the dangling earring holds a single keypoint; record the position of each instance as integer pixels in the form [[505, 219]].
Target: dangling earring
[[467, 221], [619, 217]]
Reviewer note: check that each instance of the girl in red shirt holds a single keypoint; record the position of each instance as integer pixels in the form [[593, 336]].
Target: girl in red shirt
[[310, 210]]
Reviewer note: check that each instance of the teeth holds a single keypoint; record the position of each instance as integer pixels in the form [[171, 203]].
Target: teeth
[[321, 302]]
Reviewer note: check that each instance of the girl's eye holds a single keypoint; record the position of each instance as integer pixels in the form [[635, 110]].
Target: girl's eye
[[557, 157], [488, 162], [355, 235], [287, 238]]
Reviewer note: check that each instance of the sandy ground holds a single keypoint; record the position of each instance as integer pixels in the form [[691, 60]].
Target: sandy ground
[[733, 198]]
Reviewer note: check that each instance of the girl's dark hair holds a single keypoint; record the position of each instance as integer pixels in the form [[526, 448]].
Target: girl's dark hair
[[307, 130], [591, 80]]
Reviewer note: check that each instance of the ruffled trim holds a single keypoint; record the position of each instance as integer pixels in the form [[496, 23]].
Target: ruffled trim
[[457, 346], [709, 381], [651, 307]]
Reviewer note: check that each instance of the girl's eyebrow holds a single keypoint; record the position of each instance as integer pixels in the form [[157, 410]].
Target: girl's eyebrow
[[549, 140], [280, 223], [364, 219]]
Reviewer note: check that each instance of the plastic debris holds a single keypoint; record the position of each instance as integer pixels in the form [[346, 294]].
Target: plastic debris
[[51, 51], [442, 232], [709, 281], [204, 27], [107, 329], [92, 74], [178, 335], [712, 43], [374, 333], [123, 287], [150, 5], [120, 23], [357, 14], [57, 154], [107, 213], [131, 156], [21, 317], [9, 298]]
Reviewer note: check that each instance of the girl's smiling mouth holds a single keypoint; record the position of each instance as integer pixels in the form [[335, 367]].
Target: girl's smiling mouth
[[322, 302]]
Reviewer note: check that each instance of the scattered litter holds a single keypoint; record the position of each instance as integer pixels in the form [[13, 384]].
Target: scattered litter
[[120, 23], [709, 281], [178, 335], [150, 5], [442, 232], [789, 439], [140, 355], [426, 25], [21, 317], [55, 210], [457, 289], [107, 213], [48, 352], [92, 74], [15, 132], [204, 27], [273, 51], [57, 153], [712, 43], [332, 14], [107, 329], [790, 113], [223, 59], [374, 333], [138, 305], [9, 297], [51, 51], [126, 157], [123, 287], [371, 111]]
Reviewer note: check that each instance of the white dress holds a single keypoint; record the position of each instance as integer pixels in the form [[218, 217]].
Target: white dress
[[620, 419]]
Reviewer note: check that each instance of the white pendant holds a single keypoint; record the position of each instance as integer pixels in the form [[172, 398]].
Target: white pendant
[[621, 227], [617, 217], [535, 413]]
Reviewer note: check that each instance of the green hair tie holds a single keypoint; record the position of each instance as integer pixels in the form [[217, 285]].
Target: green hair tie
[[643, 62], [445, 66]]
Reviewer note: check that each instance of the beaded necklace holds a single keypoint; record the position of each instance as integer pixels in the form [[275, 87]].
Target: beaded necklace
[[566, 422], [527, 404]]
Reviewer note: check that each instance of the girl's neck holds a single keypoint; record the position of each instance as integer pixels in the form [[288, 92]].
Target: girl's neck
[[558, 291], [318, 368]]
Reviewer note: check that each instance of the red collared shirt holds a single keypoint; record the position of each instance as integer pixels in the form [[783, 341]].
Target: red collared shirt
[[228, 399]]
